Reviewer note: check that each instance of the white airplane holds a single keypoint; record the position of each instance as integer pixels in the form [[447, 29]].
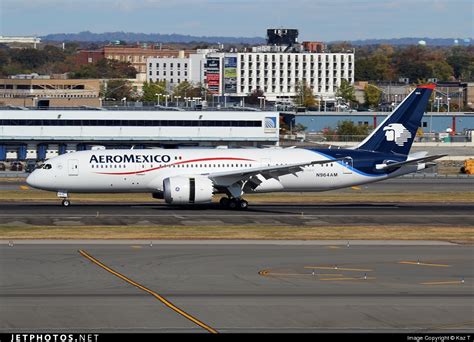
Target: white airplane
[[194, 176]]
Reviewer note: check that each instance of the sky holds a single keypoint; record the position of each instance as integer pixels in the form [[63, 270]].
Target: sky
[[321, 20]]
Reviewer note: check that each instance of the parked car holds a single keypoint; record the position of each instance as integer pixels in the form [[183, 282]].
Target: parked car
[[3, 167], [16, 166]]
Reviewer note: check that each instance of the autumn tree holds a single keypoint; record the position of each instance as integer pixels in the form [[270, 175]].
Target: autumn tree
[[304, 96], [150, 89], [187, 89], [253, 98], [346, 91], [117, 90], [372, 95]]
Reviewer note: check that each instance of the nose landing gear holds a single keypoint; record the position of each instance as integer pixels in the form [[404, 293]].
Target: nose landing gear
[[66, 202]]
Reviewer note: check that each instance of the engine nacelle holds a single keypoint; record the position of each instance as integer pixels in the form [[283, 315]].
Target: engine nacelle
[[187, 190]]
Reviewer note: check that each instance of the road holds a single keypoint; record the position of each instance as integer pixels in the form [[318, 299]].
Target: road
[[236, 287]]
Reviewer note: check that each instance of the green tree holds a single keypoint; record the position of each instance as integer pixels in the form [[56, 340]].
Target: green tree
[[150, 89], [299, 128], [304, 96], [118, 89], [376, 65], [347, 127], [372, 95], [186, 89], [105, 68], [29, 59], [253, 98], [440, 69], [346, 91], [461, 60]]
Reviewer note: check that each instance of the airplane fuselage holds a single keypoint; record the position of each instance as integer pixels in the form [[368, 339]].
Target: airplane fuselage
[[112, 171]]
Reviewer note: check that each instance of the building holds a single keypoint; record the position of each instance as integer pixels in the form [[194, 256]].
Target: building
[[432, 122], [34, 90], [278, 74], [277, 69], [20, 41], [175, 70], [138, 56], [456, 95], [42, 134], [84, 57]]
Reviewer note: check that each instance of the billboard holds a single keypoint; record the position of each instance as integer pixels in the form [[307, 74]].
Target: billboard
[[230, 75], [213, 74]]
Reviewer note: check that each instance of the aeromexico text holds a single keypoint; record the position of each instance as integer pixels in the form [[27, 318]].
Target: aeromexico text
[[130, 158]]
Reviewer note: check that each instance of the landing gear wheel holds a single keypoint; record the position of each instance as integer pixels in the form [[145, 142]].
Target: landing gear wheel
[[66, 203], [234, 203], [243, 204], [224, 202]]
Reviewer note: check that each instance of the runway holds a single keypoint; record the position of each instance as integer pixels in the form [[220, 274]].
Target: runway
[[257, 214], [236, 287], [420, 183]]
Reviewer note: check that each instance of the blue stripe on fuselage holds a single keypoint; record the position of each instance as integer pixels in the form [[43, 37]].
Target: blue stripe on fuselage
[[363, 161]]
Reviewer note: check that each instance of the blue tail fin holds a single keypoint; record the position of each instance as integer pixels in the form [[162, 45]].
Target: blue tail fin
[[397, 132]]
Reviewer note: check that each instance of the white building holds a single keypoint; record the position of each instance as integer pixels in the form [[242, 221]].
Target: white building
[[276, 73], [20, 40], [177, 69], [42, 134]]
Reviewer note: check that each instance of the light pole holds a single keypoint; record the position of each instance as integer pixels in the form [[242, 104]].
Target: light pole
[[262, 100], [177, 100], [337, 103], [438, 99], [124, 101], [166, 100], [158, 100]]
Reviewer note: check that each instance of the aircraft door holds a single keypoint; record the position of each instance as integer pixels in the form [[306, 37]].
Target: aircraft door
[[73, 167]]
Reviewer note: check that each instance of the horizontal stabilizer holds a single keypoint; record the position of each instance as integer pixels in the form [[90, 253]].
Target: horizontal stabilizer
[[391, 166]]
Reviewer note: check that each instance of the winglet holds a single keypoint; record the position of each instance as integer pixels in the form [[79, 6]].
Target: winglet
[[431, 86]]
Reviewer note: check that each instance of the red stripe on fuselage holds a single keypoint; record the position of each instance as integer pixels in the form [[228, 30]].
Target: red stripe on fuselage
[[178, 163]]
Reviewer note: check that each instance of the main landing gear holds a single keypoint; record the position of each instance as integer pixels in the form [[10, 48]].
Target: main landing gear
[[234, 203], [66, 202]]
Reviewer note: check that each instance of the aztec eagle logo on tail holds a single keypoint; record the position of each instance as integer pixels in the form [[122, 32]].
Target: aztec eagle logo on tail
[[398, 133]]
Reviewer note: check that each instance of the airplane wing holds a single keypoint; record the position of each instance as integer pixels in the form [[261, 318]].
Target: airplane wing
[[391, 166], [227, 178]]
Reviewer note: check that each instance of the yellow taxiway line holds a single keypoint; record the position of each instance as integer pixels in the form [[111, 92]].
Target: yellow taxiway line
[[422, 264], [451, 282], [270, 273], [338, 268], [342, 279], [154, 294]]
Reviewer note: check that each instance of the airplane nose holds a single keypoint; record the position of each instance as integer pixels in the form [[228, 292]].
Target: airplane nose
[[32, 179]]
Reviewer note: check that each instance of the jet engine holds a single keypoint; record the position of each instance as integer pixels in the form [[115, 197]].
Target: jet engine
[[187, 190]]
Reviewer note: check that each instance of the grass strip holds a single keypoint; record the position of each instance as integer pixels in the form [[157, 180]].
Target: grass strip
[[323, 197], [464, 234]]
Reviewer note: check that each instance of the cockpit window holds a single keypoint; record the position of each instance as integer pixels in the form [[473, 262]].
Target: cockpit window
[[47, 166]]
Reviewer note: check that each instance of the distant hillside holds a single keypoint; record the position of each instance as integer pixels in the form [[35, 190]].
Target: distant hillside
[[131, 37], [411, 41]]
